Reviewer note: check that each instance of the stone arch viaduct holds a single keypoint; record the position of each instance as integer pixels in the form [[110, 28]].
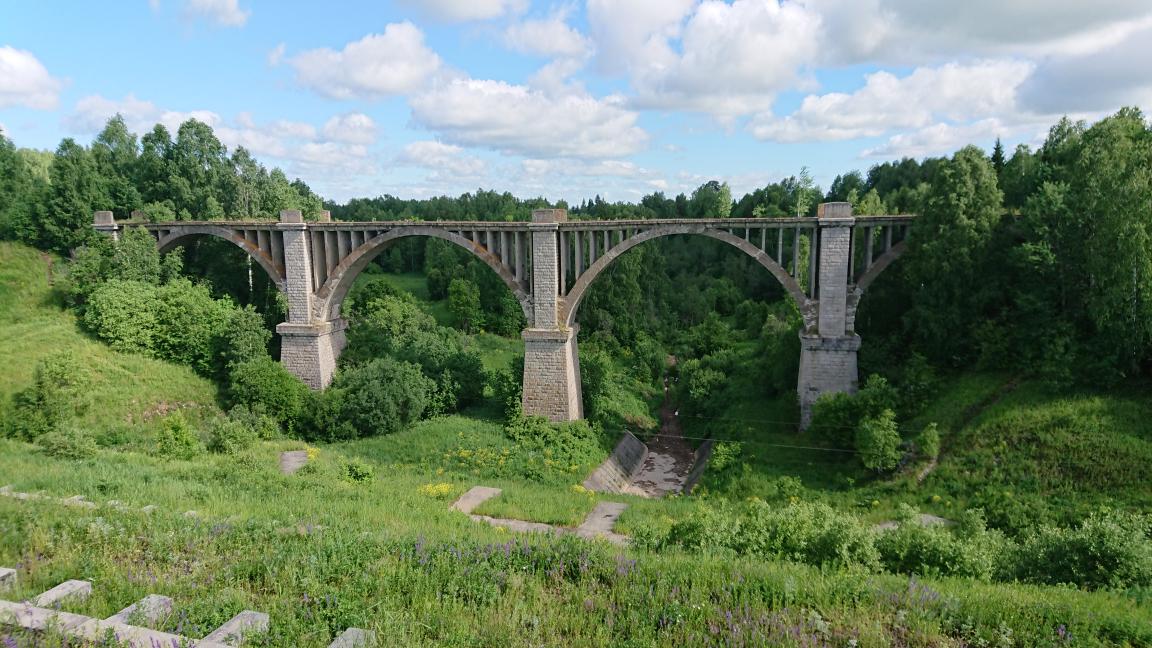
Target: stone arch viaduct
[[549, 264]]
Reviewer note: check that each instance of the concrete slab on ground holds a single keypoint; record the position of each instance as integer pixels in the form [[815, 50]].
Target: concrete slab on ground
[[475, 496]]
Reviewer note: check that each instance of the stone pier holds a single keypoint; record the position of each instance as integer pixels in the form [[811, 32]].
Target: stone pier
[[828, 358]]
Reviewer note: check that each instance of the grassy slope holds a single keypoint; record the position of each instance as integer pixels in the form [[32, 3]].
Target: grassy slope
[[125, 388], [244, 551]]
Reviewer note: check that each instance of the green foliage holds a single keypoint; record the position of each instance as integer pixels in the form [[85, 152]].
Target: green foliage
[[464, 302], [546, 452], [68, 442], [836, 417], [243, 338], [264, 385], [878, 441], [229, 435], [176, 438], [1109, 549], [379, 397], [357, 471], [929, 441], [934, 550], [807, 532], [56, 396]]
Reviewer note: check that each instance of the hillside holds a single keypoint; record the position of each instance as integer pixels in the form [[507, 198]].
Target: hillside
[[364, 535]]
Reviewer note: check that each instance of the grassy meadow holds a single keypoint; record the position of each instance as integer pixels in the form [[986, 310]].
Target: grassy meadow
[[333, 547]]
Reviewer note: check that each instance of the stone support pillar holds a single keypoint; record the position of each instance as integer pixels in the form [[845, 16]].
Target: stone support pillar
[[104, 223], [551, 361], [308, 347], [828, 358]]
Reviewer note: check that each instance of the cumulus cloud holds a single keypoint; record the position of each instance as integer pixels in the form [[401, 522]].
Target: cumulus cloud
[[445, 160], [1097, 81], [24, 81], [547, 37], [226, 13], [953, 92], [392, 63], [936, 139], [724, 59], [297, 143], [466, 10], [352, 128], [521, 120]]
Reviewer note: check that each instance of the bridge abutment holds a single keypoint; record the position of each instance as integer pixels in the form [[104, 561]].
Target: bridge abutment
[[309, 351]]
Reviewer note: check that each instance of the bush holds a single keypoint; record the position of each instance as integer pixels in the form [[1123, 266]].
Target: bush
[[55, 397], [878, 442], [357, 471], [264, 426], [807, 532], [1110, 549], [915, 548], [265, 386], [230, 436], [381, 397], [124, 315], [929, 441], [69, 442], [835, 417], [552, 452], [243, 338], [176, 438]]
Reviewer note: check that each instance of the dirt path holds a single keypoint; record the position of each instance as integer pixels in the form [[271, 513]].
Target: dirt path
[[670, 457], [969, 415]]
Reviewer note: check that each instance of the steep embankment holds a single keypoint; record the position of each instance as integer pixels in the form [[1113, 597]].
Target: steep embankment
[[33, 325]]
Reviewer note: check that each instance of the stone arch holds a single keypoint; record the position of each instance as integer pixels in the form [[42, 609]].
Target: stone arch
[[330, 296], [179, 235], [791, 286], [856, 291]]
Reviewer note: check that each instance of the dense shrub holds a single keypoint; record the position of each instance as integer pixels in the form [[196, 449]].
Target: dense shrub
[[934, 550], [227, 435], [836, 417], [928, 442], [264, 385], [177, 439], [357, 471], [1109, 549], [551, 452], [878, 442], [807, 532], [55, 396], [380, 397], [68, 442]]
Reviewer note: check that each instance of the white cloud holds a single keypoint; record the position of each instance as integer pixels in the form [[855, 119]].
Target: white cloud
[[723, 59], [444, 160], [937, 139], [465, 10], [953, 92], [24, 81], [352, 128], [276, 56], [914, 31], [518, 119], [394, 62], [284, 141], [1096, 81], [582, 168], [548, 37], [226, 13]]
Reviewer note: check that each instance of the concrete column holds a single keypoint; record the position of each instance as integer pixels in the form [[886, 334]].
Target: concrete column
[[551, 362], [308, 347], [104, 223], [828, 358]]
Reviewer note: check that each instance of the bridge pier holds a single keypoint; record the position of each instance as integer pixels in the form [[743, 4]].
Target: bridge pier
[[828, 358], [308, 347], [551, 360]]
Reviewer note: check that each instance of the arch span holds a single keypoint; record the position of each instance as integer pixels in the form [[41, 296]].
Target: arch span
[[791, 286], [180, 236], [330, 296]]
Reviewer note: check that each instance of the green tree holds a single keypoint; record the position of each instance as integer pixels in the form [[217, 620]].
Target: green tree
[[76, 192], [713, 199], [115, 152], [878, 441], [20, 192], [947, 260], [464, 302]]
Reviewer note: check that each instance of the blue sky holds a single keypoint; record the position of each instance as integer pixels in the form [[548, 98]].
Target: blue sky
[[571, 99]]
